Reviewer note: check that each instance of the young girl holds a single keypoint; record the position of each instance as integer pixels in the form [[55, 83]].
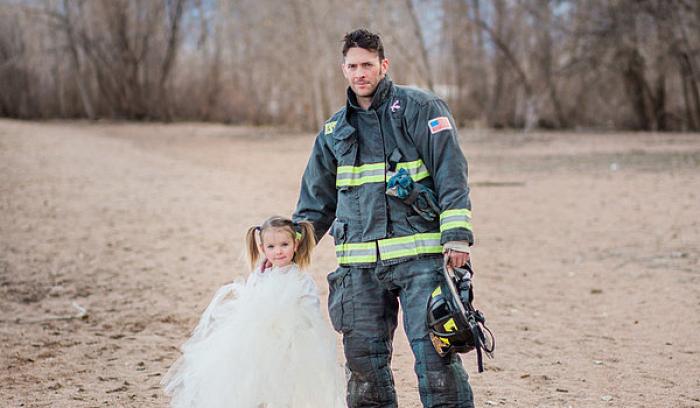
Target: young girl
[[263, 343]]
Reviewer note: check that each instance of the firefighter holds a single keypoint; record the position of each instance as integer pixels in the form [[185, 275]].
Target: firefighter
[[389, 244]]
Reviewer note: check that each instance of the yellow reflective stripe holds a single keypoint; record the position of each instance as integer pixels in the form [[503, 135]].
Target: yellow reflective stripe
[[358, 175], [416, 169], [400, 240], [360, 180], [455, 224], [390, 248], [357, 259], [457, 218], [360, 169], [412, 245], [460, 211], [411, 252], [410, 238], [355, 245], [419, 170], [420, 176], [359, 252], [409, 165]]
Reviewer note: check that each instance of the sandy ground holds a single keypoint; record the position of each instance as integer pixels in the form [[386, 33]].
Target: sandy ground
[[587, 258]]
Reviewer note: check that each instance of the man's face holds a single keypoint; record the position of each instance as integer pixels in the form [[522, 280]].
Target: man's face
[[363, 70]]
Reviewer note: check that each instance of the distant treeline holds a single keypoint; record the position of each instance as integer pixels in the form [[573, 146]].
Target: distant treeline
[[612, 64]]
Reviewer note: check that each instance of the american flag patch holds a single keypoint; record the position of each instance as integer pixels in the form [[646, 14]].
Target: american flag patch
[[439, 124]]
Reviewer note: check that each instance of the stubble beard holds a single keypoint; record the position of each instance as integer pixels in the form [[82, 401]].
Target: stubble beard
[[369, 94]]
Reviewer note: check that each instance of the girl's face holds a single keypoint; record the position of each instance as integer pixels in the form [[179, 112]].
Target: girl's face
[[279, 246]]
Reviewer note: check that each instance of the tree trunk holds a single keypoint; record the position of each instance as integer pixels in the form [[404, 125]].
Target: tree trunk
[[635, 86], [170, 56], [494, 119], [418, 33], [481, 88], [497, 37], [659, 102], [547, 61], [691, 96], [80, 77]]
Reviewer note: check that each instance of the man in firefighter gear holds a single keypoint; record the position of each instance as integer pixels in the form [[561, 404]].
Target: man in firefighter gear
[[390, 253]]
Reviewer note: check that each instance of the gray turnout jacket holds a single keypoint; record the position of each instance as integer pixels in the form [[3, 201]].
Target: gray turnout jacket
[[355, 154]]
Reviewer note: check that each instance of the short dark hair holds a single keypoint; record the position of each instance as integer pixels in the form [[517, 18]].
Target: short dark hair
[[363, 38]]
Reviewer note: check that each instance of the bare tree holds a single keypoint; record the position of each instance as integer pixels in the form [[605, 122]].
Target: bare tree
[[65, 21], [630, 64], [422, 48]]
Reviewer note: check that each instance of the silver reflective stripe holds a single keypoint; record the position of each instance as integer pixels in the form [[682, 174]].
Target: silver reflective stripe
[[391, 248], [412, 245], [352, 253], [358, 175], [459, 218], [416, 169]]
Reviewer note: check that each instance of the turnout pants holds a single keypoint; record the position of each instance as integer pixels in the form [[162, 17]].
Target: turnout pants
[[363, 305]]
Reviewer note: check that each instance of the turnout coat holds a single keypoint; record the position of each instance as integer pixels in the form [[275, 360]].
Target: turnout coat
[[356, 152]]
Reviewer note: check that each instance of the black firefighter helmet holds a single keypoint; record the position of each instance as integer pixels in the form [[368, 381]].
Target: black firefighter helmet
[[455, 326]]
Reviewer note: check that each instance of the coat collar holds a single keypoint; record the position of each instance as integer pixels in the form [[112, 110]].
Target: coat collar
[[381, 94], [344, 129]]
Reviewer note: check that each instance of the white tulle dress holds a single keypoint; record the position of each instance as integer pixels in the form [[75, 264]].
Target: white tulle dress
[[260, 343]]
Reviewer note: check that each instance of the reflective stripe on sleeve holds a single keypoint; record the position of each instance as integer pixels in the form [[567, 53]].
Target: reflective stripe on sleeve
[[460, 218], [353, 253], [358, 175], [412, 245]]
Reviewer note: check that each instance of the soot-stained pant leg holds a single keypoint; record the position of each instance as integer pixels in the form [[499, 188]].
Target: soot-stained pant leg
[[442, 381], [365, 312]]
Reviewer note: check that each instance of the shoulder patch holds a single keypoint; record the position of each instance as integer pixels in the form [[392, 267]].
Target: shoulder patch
[[439, 124], [330, 127]]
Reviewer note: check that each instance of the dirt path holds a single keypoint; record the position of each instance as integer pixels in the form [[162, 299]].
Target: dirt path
[[588, 259]]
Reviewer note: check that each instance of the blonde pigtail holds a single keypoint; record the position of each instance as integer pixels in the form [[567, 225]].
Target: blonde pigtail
[[251, 243], [307, 243]]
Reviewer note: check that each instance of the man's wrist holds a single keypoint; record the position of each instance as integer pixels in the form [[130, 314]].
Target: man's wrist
[[459, 246]]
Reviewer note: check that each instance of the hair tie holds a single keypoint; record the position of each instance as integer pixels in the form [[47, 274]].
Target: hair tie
[[298, 230]]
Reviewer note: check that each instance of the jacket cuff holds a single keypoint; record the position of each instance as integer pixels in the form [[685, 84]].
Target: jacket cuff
[[457, 234], [459, 246]]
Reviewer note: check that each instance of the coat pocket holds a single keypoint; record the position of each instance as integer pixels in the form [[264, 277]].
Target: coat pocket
[[340, 307], [345, 145], [420, 224], [338, 231]]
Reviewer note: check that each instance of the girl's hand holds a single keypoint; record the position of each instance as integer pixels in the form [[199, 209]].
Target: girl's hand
[[265, 265]]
